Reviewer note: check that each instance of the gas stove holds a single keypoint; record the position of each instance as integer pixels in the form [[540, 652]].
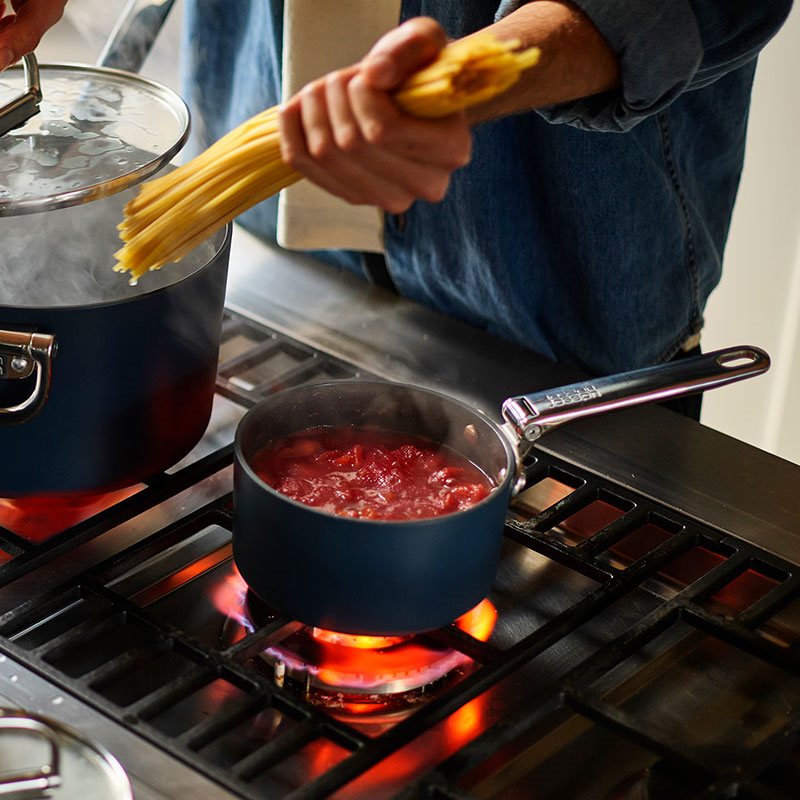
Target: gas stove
[[641, 638]]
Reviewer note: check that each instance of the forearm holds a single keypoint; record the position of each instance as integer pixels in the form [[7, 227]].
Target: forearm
[[576, 61], [662, 50]]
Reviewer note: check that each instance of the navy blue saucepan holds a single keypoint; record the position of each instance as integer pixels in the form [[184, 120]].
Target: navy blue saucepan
[[399, 577]]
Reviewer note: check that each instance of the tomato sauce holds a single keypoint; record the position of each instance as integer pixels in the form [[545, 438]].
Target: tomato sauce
[[371, 473]]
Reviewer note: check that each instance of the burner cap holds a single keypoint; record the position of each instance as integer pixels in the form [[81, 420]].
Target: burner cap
[[365, 668]]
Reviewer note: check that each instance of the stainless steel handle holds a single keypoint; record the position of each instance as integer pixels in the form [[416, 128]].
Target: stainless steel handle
[[23, 355], [24, 106], [533, 415], [134, 34], [30, 781]]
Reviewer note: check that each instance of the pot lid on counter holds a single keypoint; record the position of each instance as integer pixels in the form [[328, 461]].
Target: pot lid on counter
[[97, 131], [40, 757]]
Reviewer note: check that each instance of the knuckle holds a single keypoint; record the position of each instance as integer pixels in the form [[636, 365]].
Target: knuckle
[[435, 191], [398, 203], [429, 26], [377, 132], [314, 88], [459, 160], [312, 94], [336, 79], [306, 96], [56, 13], [26, 42], [422, 31], [321, 148], [349, 140], [465, 154], [457, 155], [292, 156]]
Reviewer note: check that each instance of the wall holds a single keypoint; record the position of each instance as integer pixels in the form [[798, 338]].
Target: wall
[[758, 300], [85, 26]]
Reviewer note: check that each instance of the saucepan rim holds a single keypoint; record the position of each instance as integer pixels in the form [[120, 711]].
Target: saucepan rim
[[511, 470]]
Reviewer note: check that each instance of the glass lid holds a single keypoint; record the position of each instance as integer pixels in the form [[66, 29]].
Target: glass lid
[[98, 131]]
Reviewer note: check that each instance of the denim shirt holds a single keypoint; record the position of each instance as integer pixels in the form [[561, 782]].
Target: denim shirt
[[591, 232]]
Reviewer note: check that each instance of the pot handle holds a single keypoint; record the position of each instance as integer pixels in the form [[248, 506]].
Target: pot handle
[[533, 415], [22, 355], [30, 781], [134, 34], [22, 108]]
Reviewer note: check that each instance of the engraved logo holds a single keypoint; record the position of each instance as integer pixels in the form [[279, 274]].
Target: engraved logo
[[572, 396]]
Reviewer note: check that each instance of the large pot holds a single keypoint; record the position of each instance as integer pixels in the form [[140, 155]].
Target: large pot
[[363, 576], [102, 384]]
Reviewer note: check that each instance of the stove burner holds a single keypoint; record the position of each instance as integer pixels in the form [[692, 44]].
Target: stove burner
[[359, 675], [368, 669]]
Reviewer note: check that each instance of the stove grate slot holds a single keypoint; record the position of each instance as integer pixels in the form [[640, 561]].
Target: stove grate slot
[[235, 711], [780, 597], [248, 374]]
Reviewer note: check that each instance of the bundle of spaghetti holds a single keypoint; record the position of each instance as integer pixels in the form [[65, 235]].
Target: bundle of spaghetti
[[174, 213]]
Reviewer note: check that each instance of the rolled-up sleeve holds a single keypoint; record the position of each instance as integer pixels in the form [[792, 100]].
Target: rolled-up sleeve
[[665, 47]]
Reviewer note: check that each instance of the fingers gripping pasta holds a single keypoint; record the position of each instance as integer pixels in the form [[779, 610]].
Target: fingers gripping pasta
[[172, 214]]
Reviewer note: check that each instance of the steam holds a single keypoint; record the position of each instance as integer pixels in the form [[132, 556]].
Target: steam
[[93, 133], [91, 22], [65, 257]]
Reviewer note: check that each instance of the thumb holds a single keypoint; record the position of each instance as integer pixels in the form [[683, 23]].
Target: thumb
[[24, 32], [402, 51]]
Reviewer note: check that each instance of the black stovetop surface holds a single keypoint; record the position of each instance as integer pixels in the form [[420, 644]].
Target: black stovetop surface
[[635, 649]]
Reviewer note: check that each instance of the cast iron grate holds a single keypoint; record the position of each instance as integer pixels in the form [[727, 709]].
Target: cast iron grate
[[27, 638], [53, 633]]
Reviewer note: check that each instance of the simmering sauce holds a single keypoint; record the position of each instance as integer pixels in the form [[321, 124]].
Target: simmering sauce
[[370, 473]]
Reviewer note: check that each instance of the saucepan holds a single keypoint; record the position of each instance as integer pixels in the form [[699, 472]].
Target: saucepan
[[397, 577]]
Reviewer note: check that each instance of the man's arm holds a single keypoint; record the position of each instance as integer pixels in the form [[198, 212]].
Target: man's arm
[[344, 132], [576, 61], [664, 50]]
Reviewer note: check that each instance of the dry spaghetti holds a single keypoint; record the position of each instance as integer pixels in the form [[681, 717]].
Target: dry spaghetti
[[172, 214]]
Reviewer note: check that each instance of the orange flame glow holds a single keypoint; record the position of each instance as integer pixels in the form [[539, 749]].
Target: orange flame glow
[[360, 664], [479, 622], [363, 661], [38, 517], [352, 640]]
